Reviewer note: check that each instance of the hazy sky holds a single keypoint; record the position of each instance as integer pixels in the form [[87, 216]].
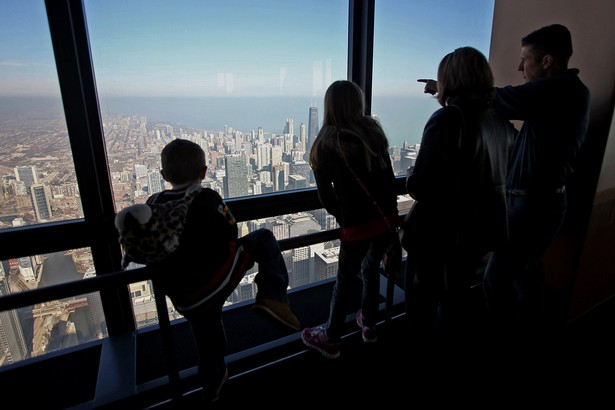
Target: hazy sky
[[236, 48]]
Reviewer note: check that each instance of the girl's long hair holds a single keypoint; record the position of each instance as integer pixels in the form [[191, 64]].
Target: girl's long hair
[[345, 113]]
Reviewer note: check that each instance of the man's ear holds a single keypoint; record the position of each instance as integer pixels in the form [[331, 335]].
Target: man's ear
[[203, 172], [547, 61], [163, 173]]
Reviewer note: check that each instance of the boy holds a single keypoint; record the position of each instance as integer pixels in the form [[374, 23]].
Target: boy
[[210, 261]]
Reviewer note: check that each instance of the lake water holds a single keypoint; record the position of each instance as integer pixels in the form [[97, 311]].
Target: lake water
[[402, 117]]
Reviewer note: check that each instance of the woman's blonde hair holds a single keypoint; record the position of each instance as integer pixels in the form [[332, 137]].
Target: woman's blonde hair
[[464, 72]]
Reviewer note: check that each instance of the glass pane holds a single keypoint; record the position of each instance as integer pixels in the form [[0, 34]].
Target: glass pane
[[410, 39], [38, 183], [238, 77], [35, 330], [244, 79], [304, 264]]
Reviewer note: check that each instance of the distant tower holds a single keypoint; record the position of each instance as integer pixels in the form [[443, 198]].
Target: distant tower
[[276, 155], [263, 156], [312, 127], [303, 137], [289, 128], [236, 179], [278, 177]]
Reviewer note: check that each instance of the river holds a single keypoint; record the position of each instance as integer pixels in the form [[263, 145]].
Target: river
[[59, 268]]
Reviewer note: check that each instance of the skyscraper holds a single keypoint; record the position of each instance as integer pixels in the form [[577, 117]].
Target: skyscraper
[[300, 273], [302, 137], [289, 128], [326, 263], [236, 179], [27, 175], [312, 127], [279, 175], [13, 346], [40, 200], [155, 182], [297, 182], [301, 168]]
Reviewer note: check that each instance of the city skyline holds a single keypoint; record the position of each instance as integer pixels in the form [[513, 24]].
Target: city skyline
[[247, 67]]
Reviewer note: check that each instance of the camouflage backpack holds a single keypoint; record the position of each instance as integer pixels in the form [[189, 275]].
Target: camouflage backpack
[[150, 232]]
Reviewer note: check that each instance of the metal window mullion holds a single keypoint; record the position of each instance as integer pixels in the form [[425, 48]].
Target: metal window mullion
[[361, 46], [68, 29]]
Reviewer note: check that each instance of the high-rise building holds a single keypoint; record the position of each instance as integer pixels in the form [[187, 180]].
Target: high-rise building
[[95, 311], [302, 137], [236, 178], [408, 155], [280, 228], [296, 182], [279, 175], [27, 175], [289, 144], [301, 168], [13, 347], [289, 128], [263, 156], [300, 274], [154, 182], [255, 224], [325, 263], [276, 155], [41, 201], [312, 127], [245, 290]]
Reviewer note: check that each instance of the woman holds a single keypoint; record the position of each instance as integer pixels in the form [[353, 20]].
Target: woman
[[458, 182], [355, 182]]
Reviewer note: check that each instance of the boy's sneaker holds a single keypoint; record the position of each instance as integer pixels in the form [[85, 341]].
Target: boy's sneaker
[[316, 338], [279, 311], [368, 333], [211, 392]]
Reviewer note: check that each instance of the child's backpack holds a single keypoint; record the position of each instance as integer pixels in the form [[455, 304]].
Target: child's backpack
[[150, 232]]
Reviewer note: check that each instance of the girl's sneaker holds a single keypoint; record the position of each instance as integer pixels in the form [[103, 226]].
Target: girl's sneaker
[[316, 338], [369, 333]]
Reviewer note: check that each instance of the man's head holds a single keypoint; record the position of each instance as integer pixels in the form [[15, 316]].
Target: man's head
[[183, 162], [545, 51]]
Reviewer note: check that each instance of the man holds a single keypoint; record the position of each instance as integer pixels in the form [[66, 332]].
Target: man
[[554, 107]]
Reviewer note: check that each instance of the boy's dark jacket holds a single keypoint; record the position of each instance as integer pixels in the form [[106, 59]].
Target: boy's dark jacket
[[206, 252]]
